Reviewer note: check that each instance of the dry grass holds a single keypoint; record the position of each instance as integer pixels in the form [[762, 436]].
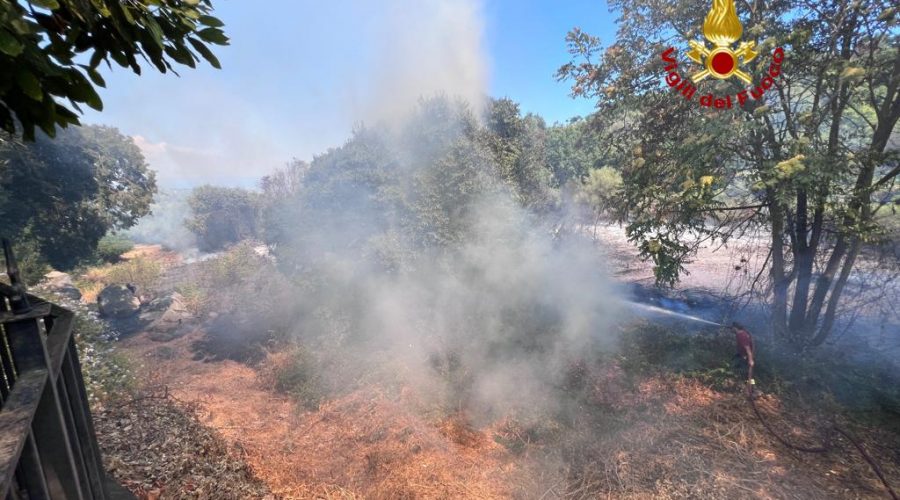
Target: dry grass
[[363, 445], [677, 438], [659, 436], [143, 266], [154, 446]]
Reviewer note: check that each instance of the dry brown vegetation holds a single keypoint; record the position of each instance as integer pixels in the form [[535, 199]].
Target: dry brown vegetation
[[635, 424], [155, 446], [654, 436]]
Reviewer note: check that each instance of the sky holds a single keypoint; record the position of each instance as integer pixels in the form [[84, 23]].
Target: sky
[[299, 75]]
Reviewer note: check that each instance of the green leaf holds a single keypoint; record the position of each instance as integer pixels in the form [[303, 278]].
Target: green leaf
[[83, 91], [205, 52], [213, 35], [211, 21], [95, 77], [9, 45], [155, 30], [29, 84], [181, 54], [47, 4], [119, 58], [96, 57]]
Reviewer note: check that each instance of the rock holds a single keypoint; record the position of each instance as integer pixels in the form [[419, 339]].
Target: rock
[[161, 303], [174, 321], [61, 284], [69, 292], [118, 301]]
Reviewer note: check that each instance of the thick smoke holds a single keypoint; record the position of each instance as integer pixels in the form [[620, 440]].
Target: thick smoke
[[425, 47], [300, 86], [165, 224], [410, 248], [414, 257]]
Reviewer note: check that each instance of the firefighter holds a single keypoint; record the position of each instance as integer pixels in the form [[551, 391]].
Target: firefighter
[[744, 349]]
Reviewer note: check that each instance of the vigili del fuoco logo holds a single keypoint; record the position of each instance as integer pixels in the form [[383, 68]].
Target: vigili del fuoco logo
[[723, 29]]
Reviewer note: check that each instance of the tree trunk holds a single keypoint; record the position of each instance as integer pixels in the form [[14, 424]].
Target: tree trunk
[[834, 300], [803, 263], [823, 284], [780, 289]]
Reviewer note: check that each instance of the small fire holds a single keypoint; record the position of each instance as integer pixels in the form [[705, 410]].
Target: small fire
[[722, 26]]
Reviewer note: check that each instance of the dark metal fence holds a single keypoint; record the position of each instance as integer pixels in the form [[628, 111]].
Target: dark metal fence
[[48, 448]]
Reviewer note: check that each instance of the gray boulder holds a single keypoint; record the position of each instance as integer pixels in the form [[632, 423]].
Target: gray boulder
[[175, 316], [118, 301]]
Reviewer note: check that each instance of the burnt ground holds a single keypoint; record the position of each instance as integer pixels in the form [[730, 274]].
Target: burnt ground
[[646, 425], [645, 434]]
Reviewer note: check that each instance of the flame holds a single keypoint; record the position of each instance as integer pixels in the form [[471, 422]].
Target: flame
[[722, 26]]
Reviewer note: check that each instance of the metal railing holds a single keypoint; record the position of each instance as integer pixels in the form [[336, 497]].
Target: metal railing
[[48, 448]]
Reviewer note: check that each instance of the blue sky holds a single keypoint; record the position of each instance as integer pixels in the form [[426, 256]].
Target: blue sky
[[299, 74]]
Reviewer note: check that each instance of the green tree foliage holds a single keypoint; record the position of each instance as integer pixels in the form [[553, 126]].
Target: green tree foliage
[[111, 247], [223, 216], [419, 186], [805, 163], [518, 144], [50, 51], [65, 194], [576, 147], [285, 182], [600, 190]]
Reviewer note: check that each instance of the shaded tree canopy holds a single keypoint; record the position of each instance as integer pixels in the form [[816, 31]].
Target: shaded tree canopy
[[66, 193], [223, 216], [50, 51], [392, 194], [811, 163], [576, 147]]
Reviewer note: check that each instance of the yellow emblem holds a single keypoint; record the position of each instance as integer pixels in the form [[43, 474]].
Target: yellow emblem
[[723, 28]]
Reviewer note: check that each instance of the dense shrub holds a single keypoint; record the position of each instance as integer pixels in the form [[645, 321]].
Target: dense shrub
[[112, 246], [297, 375], [141, 272], [32, 264], [223, 216], [250, 303]]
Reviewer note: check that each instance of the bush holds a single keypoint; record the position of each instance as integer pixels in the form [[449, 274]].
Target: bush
[[32, 264], [599, 191], [142, 272], [297, 375], [195, 298], [223, 216], [112, 246], [238, 265]]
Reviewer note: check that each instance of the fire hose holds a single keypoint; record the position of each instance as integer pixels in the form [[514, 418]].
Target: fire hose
[[826, 446]]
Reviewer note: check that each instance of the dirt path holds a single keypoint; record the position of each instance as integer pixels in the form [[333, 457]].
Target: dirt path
[[362, 445]]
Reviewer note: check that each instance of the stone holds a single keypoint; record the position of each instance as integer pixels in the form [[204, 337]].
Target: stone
[[175, 316], [118, 301], [61, 284]]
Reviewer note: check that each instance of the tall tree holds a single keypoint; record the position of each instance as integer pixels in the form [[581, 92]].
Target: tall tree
[[65, 194], [50, 51], [223, 216], [805, 162]]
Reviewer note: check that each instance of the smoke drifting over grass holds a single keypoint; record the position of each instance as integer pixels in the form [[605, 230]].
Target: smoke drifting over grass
[[165, 224], [415, 257], [411, 247]]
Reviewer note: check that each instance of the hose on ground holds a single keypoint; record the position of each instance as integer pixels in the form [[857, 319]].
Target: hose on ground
[[826, 446]]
